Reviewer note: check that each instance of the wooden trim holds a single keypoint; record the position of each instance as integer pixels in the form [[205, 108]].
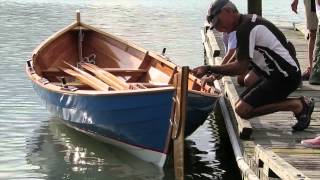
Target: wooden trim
[[79, 85], [51, 39], [174, 72], [244, 126], [149, 85], [126, 72], [78, 16], [114, 71], [180, 117]]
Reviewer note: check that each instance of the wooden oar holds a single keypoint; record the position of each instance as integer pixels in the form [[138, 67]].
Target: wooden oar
[[87, 79], [181, 84], [105, 76]]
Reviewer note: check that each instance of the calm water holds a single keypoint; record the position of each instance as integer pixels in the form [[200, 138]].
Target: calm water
[[33, 145]]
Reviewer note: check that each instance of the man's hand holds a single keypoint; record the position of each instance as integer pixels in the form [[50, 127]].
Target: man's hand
[[201, 71], [208, 80], [217, 76], [294, 6]]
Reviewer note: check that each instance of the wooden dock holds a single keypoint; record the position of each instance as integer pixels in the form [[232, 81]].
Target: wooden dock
[[267, 143]]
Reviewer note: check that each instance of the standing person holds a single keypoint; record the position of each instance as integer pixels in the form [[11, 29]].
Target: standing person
[[315, 79], [265, 47], [312, 25], [315, 73]]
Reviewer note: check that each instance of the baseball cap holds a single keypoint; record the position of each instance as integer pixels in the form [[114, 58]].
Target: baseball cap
[[214, 10]]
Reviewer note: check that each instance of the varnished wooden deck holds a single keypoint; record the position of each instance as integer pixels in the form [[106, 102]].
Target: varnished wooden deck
[[270, 147]]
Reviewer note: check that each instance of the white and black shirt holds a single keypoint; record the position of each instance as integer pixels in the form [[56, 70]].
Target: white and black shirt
[[266, 47]]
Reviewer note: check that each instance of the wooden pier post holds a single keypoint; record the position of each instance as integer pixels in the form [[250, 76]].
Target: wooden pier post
[[255, 7], [181, 84]]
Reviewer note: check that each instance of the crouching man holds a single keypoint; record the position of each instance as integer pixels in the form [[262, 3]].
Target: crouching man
[[262, 45]]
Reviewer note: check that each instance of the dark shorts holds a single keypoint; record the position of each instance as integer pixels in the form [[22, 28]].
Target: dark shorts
[[268, 91]]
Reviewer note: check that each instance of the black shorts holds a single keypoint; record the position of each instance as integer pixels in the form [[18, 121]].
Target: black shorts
[[268, 91]]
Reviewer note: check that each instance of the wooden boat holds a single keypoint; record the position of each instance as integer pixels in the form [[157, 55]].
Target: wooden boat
[[114, 90]]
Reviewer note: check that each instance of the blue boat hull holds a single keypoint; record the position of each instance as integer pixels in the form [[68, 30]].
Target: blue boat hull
[[139, 120], [199, 108], [138, 123]]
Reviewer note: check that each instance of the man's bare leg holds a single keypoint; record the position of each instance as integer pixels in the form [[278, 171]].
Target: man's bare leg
[[311, 43], [246, 111]]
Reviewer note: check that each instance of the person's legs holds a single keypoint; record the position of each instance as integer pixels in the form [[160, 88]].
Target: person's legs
[[269, 96], [246, 111], [251, 78], [302, 108], [311, 43], [315, 74], [248, 79], [312, 25], [317, 46]]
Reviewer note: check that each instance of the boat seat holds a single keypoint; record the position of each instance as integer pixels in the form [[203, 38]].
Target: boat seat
[[145, 65], [126, 72]]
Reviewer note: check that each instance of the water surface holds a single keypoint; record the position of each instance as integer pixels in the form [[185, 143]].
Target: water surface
[[34, 145]]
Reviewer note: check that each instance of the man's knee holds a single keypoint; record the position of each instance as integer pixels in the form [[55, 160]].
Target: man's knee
[[251, 78], [243, 110]]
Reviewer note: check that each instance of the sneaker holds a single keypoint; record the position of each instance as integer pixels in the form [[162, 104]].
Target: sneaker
[[304, 116], [311, 143], [306, 74]]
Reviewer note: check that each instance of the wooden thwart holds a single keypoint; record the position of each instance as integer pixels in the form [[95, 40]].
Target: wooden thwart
[[126, 72], [145, 64]]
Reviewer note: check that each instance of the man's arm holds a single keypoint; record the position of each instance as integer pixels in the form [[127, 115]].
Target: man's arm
[[236, 67], [229, 57]]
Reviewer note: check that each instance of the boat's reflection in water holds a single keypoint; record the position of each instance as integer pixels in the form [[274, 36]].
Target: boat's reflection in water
[[60, 152], [63, 153]]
